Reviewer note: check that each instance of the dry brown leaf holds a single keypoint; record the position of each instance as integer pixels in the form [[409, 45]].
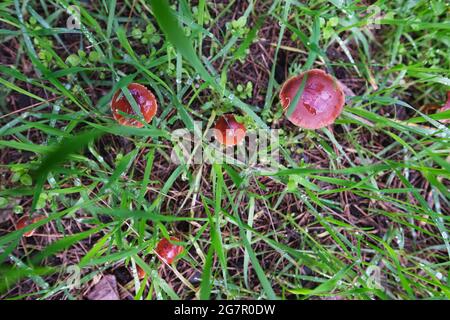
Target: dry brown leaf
[[106, 289]]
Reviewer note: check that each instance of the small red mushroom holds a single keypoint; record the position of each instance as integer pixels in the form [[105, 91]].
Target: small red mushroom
[[140, 272], [228, 131], [321, 102], [24, 221], [167, 251], [144, 99]]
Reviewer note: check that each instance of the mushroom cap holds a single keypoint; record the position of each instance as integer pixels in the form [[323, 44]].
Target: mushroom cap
[[140, 272], [24, 221], [144, 99], [430, 108], [167, 251], [321, 102], [228, 131]]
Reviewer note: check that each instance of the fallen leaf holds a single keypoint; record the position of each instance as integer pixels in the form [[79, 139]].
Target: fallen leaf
[[106, 289]]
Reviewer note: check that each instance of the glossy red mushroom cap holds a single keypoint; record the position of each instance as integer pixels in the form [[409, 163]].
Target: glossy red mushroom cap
[[24, 221], [167, 251], [144, 99], [321, 102], [228, 131], [140, 272]]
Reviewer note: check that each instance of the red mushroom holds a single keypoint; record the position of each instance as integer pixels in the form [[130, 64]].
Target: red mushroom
[[24, 221], [228, 131], [167, 251], [140, 272], [321, 101], [144, 99]]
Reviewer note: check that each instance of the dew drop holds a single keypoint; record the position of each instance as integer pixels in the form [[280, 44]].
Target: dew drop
[[325, 95], [439, 275]]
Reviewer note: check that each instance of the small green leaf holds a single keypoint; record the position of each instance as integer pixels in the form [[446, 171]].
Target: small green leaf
[[333, 22], [292, 185], [136, 34], [94, 56], [15, 177], [81, 54], [26, 179], [42, 201], [73, 60], [18, 209]]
